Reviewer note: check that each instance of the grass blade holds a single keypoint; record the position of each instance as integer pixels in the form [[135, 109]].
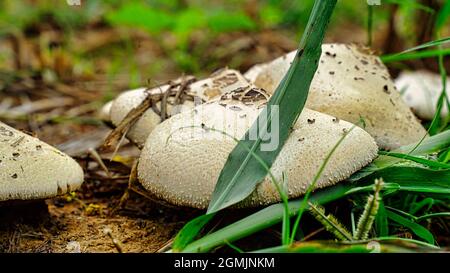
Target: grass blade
[[386, 245], [443, 16], [437, 42], [419, 230], [263, 219], [423, 161], [415, 55], [242, 172], [381, 221], [189, 231], [272, 215]]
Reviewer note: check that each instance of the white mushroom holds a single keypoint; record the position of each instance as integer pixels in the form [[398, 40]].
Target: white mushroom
[[254, 71], [105, 112], [182, 158], [351, 83], [32, 169], [421, 90], [204, 90]]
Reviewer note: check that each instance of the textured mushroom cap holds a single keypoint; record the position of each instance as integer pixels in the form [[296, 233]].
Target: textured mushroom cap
[[181, 164], [219, 82], [254, 71], [32, 169], [351, 83], [421, 90], [105, 112]]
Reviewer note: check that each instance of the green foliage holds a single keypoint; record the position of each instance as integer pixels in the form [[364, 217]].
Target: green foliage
[[137, 14], [223, 21], [416, 228], [187, 234]]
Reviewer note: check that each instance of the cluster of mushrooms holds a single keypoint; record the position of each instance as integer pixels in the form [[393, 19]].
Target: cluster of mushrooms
[[182, 157]]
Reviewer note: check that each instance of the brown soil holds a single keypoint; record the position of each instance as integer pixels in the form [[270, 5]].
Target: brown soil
[[58, 226], [79, 222]]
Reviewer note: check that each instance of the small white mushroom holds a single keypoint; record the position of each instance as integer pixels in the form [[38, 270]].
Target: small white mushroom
[[421, 90], [31, 169], [351, 83], [182, 158], [198, 92], [105, 112]]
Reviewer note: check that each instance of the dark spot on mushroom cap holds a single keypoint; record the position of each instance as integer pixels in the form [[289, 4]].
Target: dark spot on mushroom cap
[[38, 147], [331, 72], [16, 154], [301, 139], [356, 67], [386, 89], [14, 176], [311, 121], [235, 108], [364, 62], [335, 120]]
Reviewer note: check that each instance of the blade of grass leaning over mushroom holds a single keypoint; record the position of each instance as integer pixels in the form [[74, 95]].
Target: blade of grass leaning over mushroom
[[242, 172], [31, 169], [351, 82]]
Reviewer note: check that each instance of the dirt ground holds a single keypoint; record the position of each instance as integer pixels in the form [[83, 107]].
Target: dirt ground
[[90, 220]]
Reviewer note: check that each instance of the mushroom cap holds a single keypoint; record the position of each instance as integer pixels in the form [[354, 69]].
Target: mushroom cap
[[421, 90], [205, 90], [351, 83], [252, 74], [181, 164], [105, 112], [31, 169]]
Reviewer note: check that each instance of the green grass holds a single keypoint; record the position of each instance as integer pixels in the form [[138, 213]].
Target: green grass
[[416, 191]]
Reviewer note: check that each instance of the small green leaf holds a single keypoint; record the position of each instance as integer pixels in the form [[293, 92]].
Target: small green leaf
[[188, 233], [381, 221]]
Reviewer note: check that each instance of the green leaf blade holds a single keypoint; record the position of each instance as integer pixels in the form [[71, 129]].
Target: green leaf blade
[[242, 172], [419, 230]]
